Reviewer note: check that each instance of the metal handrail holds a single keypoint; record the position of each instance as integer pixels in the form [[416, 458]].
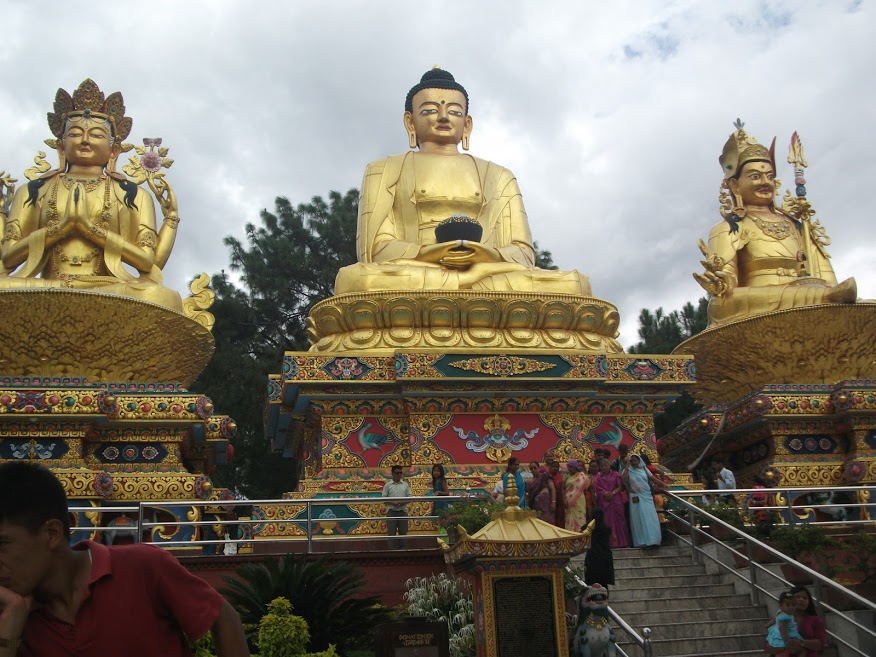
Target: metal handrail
[[643, 641], [309, 522], [694, 511]]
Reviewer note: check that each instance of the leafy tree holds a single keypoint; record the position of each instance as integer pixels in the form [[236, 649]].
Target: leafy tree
[[660, 333], [285, 266], [543, 258], [325, 593]]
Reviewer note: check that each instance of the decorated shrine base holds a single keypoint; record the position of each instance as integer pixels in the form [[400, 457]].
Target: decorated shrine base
[[816, 344], [117, 444], [350, 419], [104, 337], [790, 434]]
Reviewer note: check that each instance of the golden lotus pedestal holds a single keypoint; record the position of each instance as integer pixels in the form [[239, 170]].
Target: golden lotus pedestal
[[793, 397], [92, 386], [515, 564], [349, 417], [383, 322]]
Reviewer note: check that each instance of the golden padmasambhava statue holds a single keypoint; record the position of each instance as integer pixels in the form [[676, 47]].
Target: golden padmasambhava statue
[[77, 226], [763, 257], [445, 253], [405, 197]]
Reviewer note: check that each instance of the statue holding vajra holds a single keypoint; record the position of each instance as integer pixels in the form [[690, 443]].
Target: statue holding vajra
[[406, 197], [79, 225], [763, 257]]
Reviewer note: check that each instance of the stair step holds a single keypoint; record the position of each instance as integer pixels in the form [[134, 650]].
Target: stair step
[[661, 616], [679, 604], [657, 581], [650, 570], [668, 592], [699, 646]]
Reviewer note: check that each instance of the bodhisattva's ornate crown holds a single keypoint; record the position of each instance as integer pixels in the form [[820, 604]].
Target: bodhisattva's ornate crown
[[741, 148], [89, 101]]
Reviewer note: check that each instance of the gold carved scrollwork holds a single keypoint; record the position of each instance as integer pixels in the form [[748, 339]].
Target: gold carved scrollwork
[[195, 306]]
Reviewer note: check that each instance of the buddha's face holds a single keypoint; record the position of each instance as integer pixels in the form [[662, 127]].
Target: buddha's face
[[756, 185], [87, 142], [438, 116]]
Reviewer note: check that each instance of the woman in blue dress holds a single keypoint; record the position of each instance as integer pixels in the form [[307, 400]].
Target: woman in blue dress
[[644, 523], [439, 488], [513, 470]]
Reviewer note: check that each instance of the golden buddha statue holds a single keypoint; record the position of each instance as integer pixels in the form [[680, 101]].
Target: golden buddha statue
[[445, 254], [405, 197], [763, 257], [79, 225]]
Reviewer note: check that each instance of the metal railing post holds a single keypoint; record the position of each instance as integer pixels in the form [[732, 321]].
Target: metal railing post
[[646, 645], [309, 527], [140, 516], [752, 571]]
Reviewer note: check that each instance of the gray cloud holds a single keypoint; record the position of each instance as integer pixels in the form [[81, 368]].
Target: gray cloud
[[612, 117]]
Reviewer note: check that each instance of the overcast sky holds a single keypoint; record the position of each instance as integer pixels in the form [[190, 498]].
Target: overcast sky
[[612, 115]]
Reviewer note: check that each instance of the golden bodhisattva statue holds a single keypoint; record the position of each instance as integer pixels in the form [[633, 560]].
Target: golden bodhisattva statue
[[763, 257], [81, 286], [405, 197], [77, 226], [445, 253]]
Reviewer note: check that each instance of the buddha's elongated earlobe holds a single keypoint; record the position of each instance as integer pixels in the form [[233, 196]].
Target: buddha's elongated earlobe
[[412, 139], [465, 142]]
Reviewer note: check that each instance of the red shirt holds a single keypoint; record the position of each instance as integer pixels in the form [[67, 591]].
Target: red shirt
[[140, 603]]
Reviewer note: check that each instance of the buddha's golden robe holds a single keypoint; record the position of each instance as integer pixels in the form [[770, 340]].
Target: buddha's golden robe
[[405, 196], [769, 270], [75, 261]]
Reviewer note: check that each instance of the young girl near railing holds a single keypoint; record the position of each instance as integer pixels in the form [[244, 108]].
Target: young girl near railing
[[783, 633]]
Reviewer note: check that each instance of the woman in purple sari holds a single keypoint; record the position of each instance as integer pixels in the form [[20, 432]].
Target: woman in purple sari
[[608, 486], [542, 496]]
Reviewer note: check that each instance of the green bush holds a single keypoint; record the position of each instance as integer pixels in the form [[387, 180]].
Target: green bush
[[440, 598], [326, 593], [472, 514], [280, 633]]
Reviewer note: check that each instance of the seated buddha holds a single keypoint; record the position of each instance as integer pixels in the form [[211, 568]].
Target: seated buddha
[[81, 224], [762, 257], [405, 197]]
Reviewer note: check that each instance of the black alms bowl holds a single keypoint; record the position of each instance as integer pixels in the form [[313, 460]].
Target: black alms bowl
[[459, 227]]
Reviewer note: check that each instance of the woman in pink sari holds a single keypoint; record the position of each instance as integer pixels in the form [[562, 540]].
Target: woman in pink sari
[[608, 486], [576, 503]]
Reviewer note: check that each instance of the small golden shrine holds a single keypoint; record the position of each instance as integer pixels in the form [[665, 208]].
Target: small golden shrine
[[516, 567], [95, 352], [788, 361]]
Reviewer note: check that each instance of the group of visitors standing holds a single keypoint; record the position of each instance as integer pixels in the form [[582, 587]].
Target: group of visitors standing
[[623, 491]]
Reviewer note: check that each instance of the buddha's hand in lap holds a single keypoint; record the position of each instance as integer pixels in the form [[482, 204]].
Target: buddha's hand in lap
[[459, 254]]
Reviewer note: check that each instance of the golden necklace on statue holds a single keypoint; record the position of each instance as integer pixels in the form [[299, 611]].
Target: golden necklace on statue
[[89, 183], [777, 229]]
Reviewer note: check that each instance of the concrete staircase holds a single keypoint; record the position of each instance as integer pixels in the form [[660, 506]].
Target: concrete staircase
[[691, 613]]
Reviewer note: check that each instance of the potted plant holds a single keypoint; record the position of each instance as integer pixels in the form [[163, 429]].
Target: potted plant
[[728, 512], [471, 514], [806, 543]]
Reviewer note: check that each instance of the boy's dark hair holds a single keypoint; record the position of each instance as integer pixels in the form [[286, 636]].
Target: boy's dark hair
[[785, 595], [396, 467], [30, 496]]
